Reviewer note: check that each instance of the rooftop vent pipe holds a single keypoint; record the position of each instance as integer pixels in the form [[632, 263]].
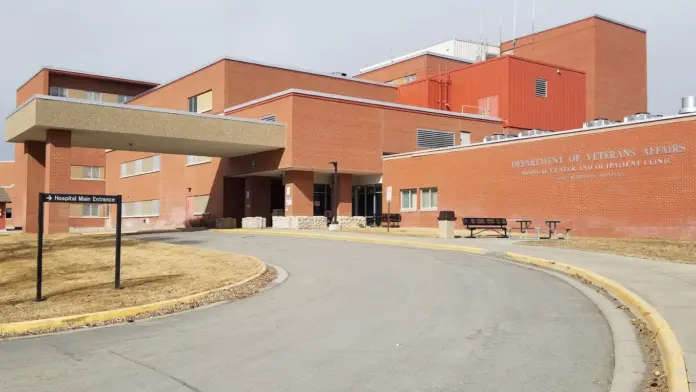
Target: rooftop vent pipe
[[688, 105]]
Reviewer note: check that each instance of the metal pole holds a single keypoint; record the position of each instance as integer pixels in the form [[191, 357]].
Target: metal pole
[[39, 249], [388, 214], [334, 193], [117, 280]]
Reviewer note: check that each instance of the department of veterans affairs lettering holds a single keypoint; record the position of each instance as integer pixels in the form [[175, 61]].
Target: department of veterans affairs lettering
[[600, 160]]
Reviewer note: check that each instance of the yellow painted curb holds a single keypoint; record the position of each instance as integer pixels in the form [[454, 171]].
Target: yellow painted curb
[[670, 350], [425, 245], [24, 327]]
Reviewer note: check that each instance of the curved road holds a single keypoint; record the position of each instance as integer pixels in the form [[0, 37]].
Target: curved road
[[351, 317]]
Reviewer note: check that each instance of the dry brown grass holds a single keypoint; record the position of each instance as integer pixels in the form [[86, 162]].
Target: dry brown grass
[[647, 248], [79, 274]]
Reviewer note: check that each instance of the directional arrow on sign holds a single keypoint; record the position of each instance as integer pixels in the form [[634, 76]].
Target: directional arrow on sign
[[49, 198]]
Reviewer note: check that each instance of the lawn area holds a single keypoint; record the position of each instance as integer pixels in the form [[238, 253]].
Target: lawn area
[[78, 274], [647, 248]]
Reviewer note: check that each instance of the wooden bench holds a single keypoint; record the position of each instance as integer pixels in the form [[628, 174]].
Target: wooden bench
[[497, 225], [391, 220]]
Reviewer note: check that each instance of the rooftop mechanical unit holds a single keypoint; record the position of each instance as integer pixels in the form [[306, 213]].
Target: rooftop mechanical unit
[[597, 122], [498, 137], [688, 105], [533, 132], [640, 117]]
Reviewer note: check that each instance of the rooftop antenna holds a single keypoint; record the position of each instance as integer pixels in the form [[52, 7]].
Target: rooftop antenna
[[514, 24], [481, 50], [533, 9], [500, 33]]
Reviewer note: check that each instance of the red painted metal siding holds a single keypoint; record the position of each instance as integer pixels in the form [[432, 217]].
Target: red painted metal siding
[[564, 106], [485, 79], [421, 93]]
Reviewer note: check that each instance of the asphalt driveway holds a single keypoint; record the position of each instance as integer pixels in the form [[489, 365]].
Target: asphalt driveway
[[351, 317]]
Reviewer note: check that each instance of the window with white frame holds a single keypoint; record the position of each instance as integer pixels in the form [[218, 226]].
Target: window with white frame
[[58, 92], [86, 173], [270, 117], [140, 166], [428, 198], [428, 138], [93, 96], [196, 160], [144, 208], [89, 210], [123, 98], [541, 88], [408, 200]]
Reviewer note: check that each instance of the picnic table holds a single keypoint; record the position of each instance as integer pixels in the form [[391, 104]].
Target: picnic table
[[552, 224], [524, 224]]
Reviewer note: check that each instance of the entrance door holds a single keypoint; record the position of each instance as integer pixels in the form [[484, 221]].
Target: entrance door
[[322, 199], [367, 202]]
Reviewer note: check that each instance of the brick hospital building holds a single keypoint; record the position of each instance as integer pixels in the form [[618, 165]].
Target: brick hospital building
[[240, 138]]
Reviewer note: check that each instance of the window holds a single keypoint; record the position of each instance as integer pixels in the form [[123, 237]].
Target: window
[[140, 166], [410, 78], [8, 213], [427, 138], [140, 208], [196, 160], [58, 92], [86, 173], [92, 96], [270, 117], [200, 203], [428, 198], [89, 210], [201, 103], [408, 200], [464, 138], [123, 98], [541, 88]]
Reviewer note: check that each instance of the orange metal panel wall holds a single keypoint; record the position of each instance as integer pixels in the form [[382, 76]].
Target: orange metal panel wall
[[562, 109], [421, 93], [481, 80], [422, 66]]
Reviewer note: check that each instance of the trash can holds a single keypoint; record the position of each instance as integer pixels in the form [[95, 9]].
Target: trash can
[[446, 221]]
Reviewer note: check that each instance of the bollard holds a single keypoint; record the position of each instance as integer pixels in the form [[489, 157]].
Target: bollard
[[567, 236], [538, 229]]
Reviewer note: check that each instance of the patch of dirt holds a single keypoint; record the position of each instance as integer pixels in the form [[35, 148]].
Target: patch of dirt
[[232, 294]]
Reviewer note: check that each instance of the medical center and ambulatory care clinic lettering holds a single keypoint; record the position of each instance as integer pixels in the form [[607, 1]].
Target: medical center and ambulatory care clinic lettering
[[605, 161]]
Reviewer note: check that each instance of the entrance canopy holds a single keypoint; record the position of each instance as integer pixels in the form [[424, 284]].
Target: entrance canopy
[[137, 128]]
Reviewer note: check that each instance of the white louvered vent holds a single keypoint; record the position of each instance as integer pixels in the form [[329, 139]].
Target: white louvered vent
[[270, 117], [427, 138], [541, 88]]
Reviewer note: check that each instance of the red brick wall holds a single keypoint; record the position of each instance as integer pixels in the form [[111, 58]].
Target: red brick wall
[[9, 176], [622, 71], [57, 179], [322, 130], [613, 56], [175, 95], [301, 185], [652, 199], [245, 81], [37, 85]]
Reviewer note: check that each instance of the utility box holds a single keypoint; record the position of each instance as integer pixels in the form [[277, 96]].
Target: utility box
[[446, 221]]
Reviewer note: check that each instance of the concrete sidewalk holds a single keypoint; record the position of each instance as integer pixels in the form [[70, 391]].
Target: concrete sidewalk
[[669, 287]]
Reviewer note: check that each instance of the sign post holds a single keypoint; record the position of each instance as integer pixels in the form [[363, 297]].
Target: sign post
[[389, 199], [82, 199]]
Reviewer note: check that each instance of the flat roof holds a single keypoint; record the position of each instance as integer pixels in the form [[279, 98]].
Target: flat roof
[[263, 64], [66, 71], [414, 55], [137, 128], [572, 132], [360, 100], [580, 20]]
